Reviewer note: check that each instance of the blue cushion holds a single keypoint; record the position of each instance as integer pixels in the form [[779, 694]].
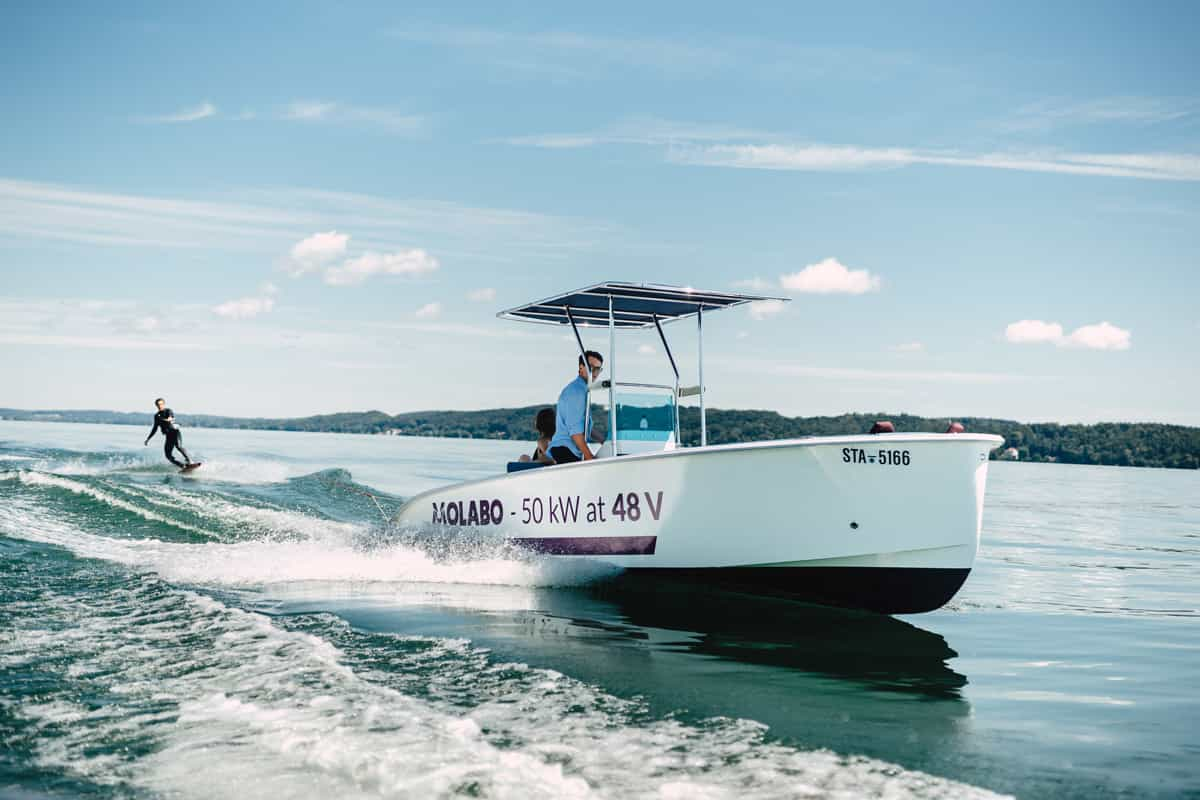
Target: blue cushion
[[519, 466]]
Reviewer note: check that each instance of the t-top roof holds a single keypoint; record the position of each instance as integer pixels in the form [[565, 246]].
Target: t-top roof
[[634, 305]]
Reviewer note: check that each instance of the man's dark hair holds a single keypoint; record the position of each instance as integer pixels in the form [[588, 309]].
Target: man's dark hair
[[158, 400], [545, 423], [591, 354]]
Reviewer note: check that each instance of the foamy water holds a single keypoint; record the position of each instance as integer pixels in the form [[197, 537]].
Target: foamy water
[[264, 712], [295, 549]]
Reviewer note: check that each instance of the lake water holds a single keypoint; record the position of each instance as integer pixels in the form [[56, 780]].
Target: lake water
[[254, 631]]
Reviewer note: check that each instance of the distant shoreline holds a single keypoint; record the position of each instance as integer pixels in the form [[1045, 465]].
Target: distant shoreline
[[1131, 444]]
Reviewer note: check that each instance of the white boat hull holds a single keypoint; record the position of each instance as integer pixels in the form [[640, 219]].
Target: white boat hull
[[887, 522]]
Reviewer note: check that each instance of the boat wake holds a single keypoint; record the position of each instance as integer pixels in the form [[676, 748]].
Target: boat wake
[[240, 544]]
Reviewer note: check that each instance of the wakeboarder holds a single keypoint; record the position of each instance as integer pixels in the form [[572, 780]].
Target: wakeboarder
[[164, 420]]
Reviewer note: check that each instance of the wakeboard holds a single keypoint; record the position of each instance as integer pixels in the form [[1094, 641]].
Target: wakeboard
[[190, 467]]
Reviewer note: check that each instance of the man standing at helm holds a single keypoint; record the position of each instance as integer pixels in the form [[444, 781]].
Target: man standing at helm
[[573, 418]]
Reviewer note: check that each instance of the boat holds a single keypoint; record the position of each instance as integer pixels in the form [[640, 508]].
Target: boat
[[886, 522]]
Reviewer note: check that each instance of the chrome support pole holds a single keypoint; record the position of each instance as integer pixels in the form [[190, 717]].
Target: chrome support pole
[[670, 357], [674, 368], [612, 377], [578, 338], [700, 361]]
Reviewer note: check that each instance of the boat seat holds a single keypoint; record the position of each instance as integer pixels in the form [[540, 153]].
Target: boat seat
[[521, 466]]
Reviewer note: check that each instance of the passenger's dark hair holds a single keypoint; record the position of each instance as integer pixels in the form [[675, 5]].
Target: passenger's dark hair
[[158, 400], [545, 423], [591, 354]]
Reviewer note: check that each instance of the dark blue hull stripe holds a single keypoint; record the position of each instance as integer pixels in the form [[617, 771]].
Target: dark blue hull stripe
[[590, 545]]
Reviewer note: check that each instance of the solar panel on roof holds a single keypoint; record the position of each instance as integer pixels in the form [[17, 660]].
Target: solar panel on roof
[[634, 305]]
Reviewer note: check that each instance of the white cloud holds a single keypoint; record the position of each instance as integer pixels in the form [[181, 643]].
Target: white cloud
[[51, 211], [646, 350], [269, 221], [96, 324], [312, 111], [402, 262], [788, 157], [314, 252], [126, 325], [560, 141], [641, 131], [830, 277], [202, 111], [1133, 110], [40, 315], [840, 158], [318, 250], [244, 308], [763, 309], [485, 295], [428, 311], [725, 146], [309, 110], [1033, 331], [390, 119], [1100, 336], [907, 347]]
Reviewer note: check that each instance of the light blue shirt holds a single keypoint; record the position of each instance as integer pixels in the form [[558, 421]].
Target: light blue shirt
[[572, 416]]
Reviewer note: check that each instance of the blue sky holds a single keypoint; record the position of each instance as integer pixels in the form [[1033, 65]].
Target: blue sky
[[301, 208]]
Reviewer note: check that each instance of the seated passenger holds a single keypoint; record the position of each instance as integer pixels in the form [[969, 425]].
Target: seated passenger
[[544, 425]]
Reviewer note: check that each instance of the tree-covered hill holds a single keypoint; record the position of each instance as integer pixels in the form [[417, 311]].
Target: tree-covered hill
[[1138, 444]]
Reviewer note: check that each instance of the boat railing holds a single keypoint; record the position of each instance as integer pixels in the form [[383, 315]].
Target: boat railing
[[632, 384]]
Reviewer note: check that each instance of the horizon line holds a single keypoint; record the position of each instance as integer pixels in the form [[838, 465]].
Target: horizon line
[[878, 414]]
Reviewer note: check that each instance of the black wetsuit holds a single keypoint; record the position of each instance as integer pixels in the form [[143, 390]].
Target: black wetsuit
[[171, 433]]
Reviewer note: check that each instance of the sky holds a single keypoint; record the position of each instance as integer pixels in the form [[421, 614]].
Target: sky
[[299, 208]]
